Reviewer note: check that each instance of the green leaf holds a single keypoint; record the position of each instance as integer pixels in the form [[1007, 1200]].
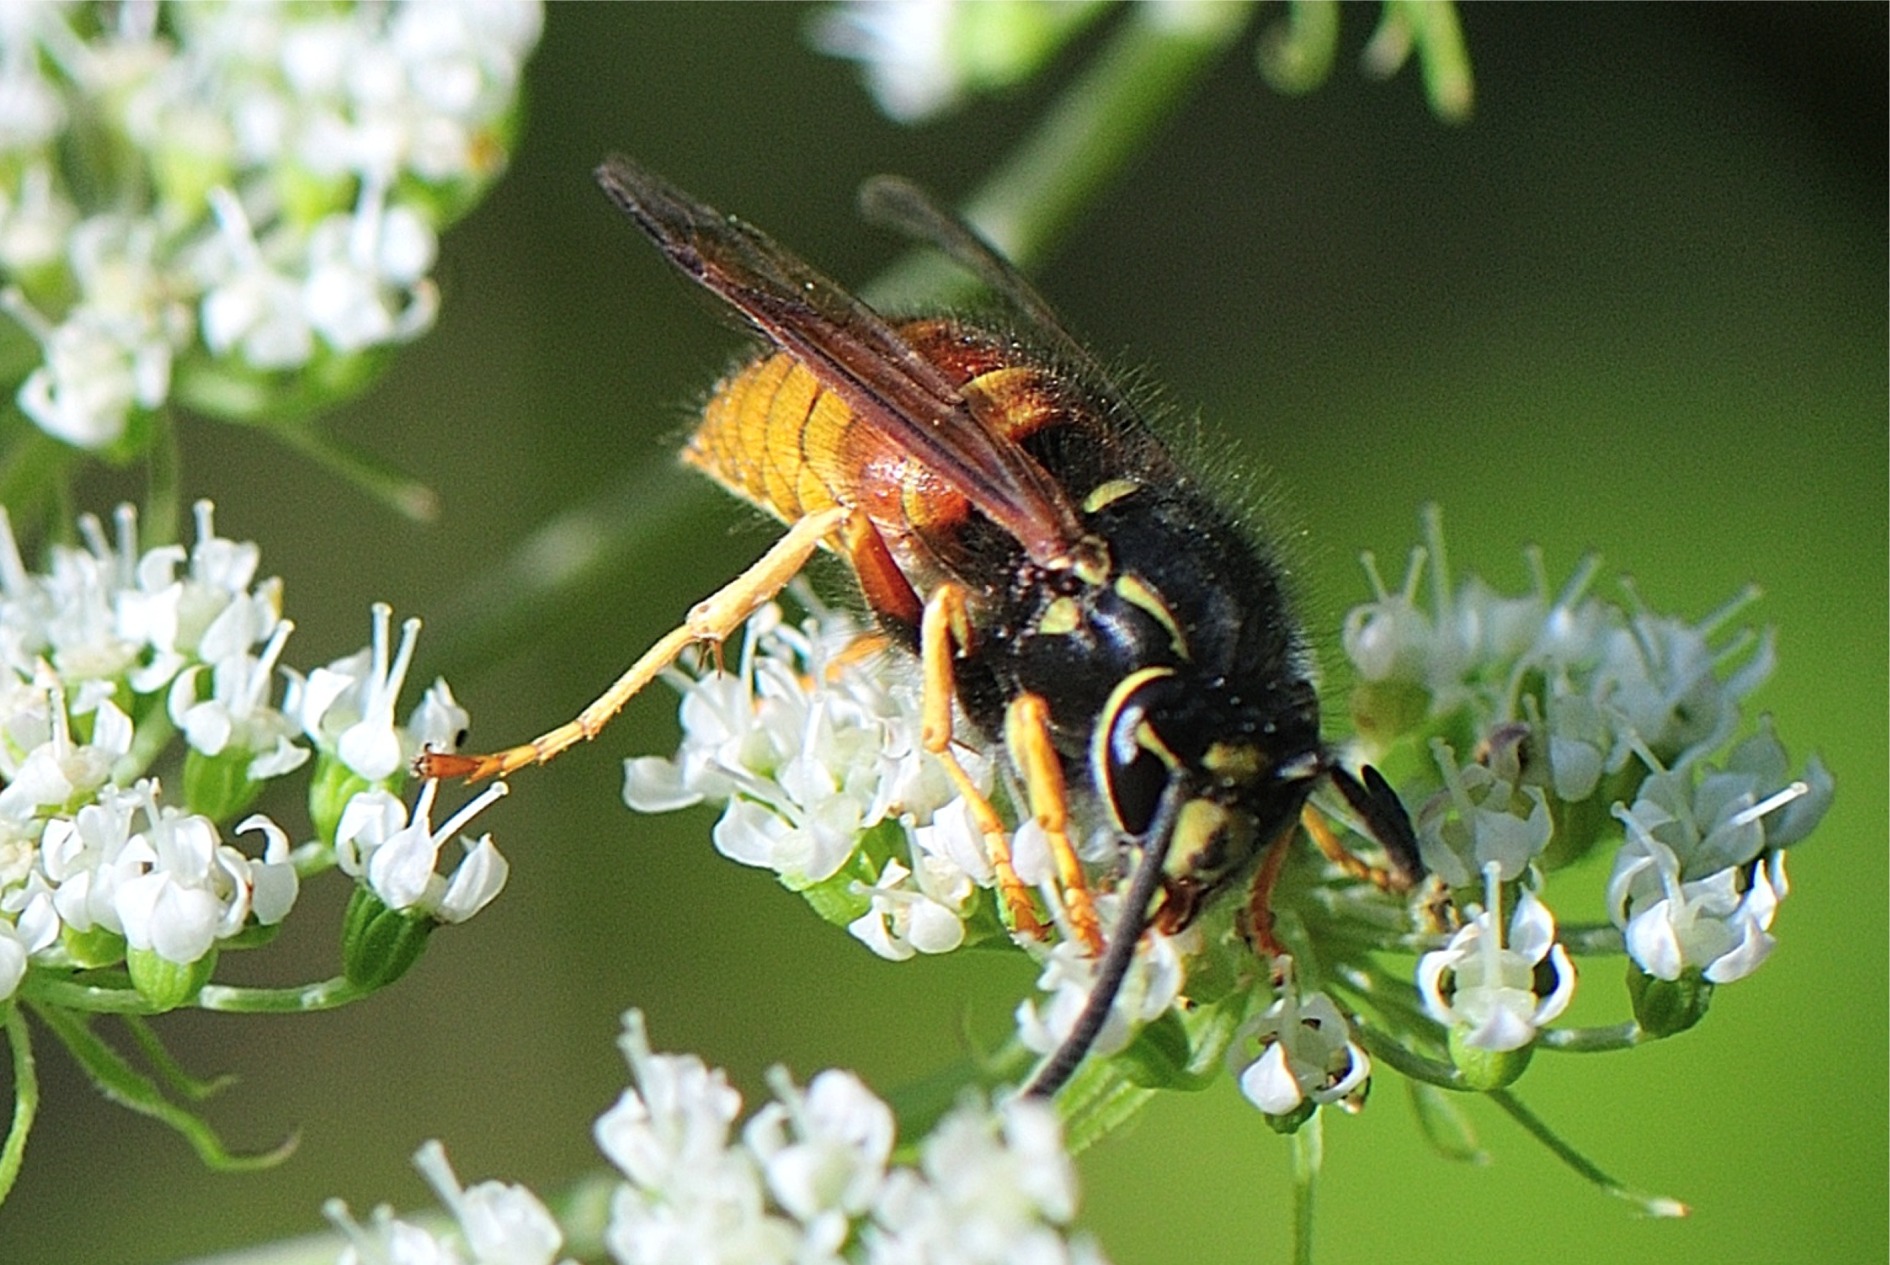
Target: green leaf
[[126, 1086]]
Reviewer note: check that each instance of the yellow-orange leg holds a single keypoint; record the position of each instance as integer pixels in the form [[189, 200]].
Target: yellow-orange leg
[[861, 648], [711, 620], [945, 625], [1027, 735], [1349, 862]]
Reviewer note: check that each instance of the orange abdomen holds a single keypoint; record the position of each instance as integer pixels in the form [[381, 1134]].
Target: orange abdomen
[[778, 438]]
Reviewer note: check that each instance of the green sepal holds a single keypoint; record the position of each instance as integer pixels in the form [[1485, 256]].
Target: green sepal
[[329, 790], [219, 786], [167, 984], [378, 944], [1485, 1070], [100, 946], [1665, 1007], [1288, 1122]]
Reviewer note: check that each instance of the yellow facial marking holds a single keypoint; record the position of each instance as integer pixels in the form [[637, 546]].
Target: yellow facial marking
[[1234, 761], [1200, 832], [1136, 592], [1107, 494], [1061, 617]]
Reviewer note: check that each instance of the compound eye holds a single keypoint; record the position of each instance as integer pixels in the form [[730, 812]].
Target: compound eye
[[1132, 772]]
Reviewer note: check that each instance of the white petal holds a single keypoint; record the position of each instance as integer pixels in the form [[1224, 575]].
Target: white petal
[[1269, 1084], [1652, 942], [870, 930], [479, 878], [656, 785], [371, 749], [401, 869], [748, 833], [934, 928]]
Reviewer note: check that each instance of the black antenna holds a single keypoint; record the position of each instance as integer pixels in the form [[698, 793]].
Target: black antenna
[[1133, 920]]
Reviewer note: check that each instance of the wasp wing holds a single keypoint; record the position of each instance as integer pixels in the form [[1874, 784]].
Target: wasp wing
[[854, 352]]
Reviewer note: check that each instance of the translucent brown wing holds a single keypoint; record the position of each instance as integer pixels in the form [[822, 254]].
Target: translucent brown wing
[[855, 353]]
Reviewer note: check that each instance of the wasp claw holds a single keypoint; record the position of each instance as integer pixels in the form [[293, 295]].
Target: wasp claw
[[444, 765]]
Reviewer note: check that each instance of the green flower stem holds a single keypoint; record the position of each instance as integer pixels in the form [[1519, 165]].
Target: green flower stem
[[327, 995], [169, 1070], [393, 488], [1622, 1036], [164, 470], [1367, 992], [1308, 1157], [1386, 1050], [97, 999], [122, 999], [1099, 125], [580, 550], [323, 1247], [153, 734], [25, 1100], [1651, 1205], [126, 1086]]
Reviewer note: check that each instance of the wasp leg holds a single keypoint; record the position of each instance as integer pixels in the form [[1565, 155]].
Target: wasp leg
[[710, 620], [1260, 895], [1027, 735], [944, 625], [1348, 861], [863, 647]]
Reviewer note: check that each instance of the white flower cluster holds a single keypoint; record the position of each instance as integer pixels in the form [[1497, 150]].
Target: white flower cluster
[[495, 1224], [106, 655], [813, 748], [1579, 706], [287, 170], [1702, 871], [808, 1180], [810, 747]]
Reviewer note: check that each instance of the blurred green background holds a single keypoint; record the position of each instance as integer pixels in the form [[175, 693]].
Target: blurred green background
[[1637, 305]]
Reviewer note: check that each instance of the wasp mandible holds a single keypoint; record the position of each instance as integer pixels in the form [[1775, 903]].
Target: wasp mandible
[[1069, 589]]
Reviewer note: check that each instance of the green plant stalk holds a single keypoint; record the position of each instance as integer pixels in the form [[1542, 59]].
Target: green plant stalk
[[1308, 1156], [25, 1100], [1086, 140]]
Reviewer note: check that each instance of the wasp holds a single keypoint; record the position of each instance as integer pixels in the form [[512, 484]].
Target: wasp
[[1071, 591]]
